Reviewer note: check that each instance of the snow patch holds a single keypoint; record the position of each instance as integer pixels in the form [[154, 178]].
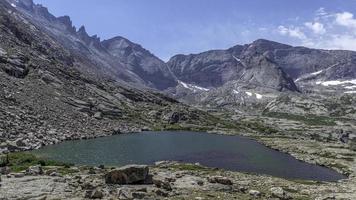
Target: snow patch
[[350, 87], [235, 92], [350, 92], [336, 82], [259, 96], [237, 59], [249, 94], [13, 5], [192, 87], [317, 73], [308, 75]]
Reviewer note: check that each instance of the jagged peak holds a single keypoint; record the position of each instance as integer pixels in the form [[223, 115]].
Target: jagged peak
[[119, 39], [66, 21], [82, 30], [124, 43]]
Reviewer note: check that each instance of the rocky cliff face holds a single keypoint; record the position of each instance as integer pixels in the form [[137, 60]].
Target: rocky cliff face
[[250, 65], [118, 57], [141, 62]]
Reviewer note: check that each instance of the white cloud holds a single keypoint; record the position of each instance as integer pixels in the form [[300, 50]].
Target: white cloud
[[346, 19], [294, 32], [316, 27], [341, 42], [321, 12], [325, 31]]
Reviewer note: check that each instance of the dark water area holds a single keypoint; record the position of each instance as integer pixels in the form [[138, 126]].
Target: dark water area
[[233, 153]]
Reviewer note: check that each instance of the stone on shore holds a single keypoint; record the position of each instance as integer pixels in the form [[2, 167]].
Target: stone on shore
[[220, 179], [131, 174], [34, 170]]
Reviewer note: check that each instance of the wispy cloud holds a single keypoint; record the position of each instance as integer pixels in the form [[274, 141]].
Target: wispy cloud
[[316, 27], [346, 19], [326, 30], [292, 32]]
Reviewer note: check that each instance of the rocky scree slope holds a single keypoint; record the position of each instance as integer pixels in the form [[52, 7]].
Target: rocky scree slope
[[46, 96]]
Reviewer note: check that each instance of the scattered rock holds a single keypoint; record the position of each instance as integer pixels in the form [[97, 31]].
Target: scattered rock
[[162, 193], [54, 174], [5, 170], [162, 182], [278, 192], [124, 193], [254, 193], [98, 115], [34, 170], [220, 179], [19, 175], [131, 174], [138, 195], [94, 194]]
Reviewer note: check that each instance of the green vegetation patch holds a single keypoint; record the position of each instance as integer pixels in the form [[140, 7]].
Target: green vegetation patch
[[22, 161], [312, 120], [260, 127]]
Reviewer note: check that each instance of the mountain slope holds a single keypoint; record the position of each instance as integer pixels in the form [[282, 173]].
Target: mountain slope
[[141, 62], [118, 57], [247, 64], [255, 74], [47, 95]]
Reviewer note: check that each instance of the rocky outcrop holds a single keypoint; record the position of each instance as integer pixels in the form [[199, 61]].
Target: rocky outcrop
[[132, 174], [220, 179], [34, 170]]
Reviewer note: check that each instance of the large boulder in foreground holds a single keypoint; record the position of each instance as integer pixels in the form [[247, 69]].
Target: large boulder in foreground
[[130, 174]]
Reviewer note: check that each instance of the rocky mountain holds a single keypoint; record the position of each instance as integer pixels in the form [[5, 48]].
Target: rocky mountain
[[249, 64], [141, 62], [118, 57], [48, 93], [257, 73]]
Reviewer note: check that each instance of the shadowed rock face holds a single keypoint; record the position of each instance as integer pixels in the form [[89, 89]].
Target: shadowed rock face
[[141, 62], [264, 63], [249, 64], [118, 57], [208, 69]]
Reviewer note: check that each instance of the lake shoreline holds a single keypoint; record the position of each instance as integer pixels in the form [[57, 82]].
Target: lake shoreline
[[319, 189]]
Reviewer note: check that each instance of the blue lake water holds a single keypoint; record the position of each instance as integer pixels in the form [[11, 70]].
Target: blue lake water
[[234, 153]]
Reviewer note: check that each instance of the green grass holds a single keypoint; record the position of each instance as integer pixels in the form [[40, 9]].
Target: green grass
[[312, 120], [259, 127], [22, 161]]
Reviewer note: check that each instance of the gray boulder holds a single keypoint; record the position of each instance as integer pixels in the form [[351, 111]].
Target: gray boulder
[[278, 192], [162, 182], [131, 174], [34, 170], [220, 179]]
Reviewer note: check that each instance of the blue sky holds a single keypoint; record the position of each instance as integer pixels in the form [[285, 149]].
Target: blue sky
[[169, 27]]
